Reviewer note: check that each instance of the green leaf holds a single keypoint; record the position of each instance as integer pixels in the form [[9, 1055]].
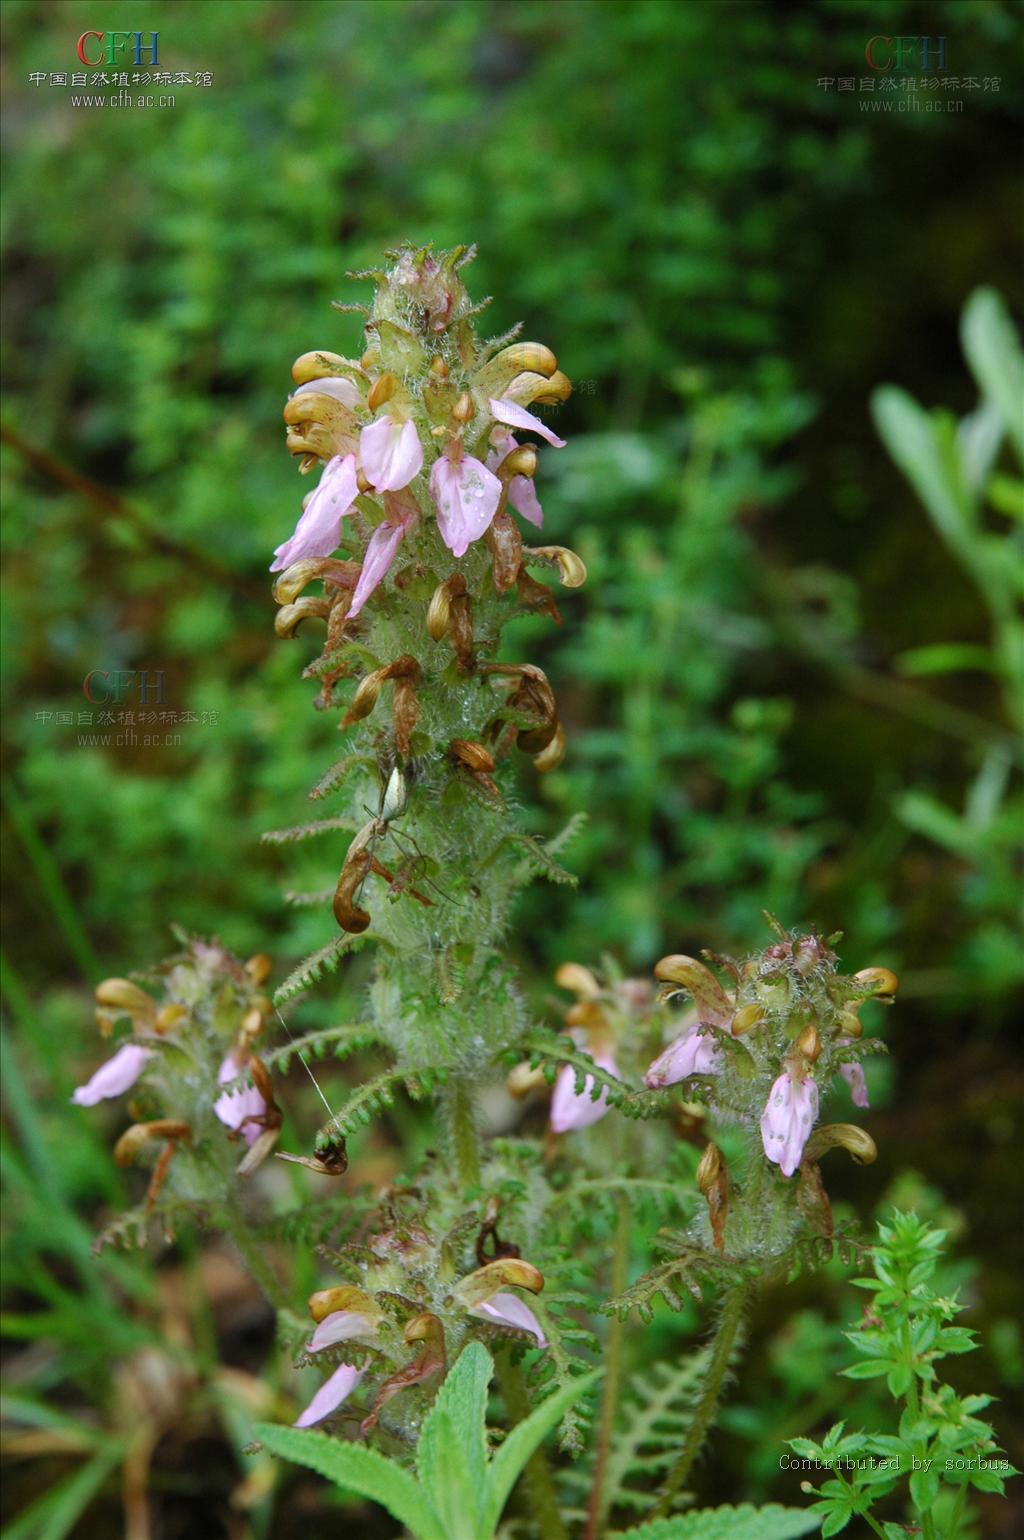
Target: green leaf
[[451, 1456], [914, 440], [520, 1444], [945, 658], [360, 1470], [744, 1523], [870, 1369], [993, 351]]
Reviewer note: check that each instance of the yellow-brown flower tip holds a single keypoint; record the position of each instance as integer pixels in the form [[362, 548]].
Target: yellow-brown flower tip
[[123, 995], [325, 1302], [580, 980], [523, 1079], [747, 1019], [878, 983], [846, 1136], [132, 1140]]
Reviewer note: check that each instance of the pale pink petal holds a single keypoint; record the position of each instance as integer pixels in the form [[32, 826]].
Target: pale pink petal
[[380, 553], [113, 1078], [787, 1120], [853, 1074], [692, 1053], [521, 491], [339, 1326], [236, 1109], [576, 1109], [390, 453], [330, 1395], [345, 391], [319, 529], [519, 417], [467, 495], [509, 1310]]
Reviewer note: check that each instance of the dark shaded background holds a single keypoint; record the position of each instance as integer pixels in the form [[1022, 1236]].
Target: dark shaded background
[[727, 259]]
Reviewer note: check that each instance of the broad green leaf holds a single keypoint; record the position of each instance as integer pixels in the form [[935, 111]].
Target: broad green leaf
[[360, 1470], [993, 351], [744, 1523], [508, 1462], [451, 1456]]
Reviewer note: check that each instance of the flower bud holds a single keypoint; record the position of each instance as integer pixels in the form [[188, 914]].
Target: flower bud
[[848, 1024], [472, 754], [168, 1017], [349, 915], [847, 1136], [463, 411], [290, 616], [579, 980], [382, 389], [709, 1169], [259, 968], [571, 569], [747, 1019], [438, 367], [879, 983], [809, 1043], [440, 611], [588, 1014], [528, 387]]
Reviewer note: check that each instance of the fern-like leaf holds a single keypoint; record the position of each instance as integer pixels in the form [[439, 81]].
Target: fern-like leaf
[[326, 960], [307, 831], [339, 1041]]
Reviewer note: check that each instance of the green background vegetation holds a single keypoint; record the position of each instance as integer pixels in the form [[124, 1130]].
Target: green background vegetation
[[728, 261]]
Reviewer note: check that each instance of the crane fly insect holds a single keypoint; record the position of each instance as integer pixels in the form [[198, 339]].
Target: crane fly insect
[[393, 804]]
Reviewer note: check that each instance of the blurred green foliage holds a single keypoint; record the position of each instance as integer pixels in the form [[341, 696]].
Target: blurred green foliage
[[788, 683]]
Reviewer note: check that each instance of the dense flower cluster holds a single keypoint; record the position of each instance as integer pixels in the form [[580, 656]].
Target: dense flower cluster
[[764, 1049], [199, 1087]]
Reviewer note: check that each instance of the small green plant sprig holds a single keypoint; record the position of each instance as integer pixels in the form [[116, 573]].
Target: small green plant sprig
[[943, 1447]]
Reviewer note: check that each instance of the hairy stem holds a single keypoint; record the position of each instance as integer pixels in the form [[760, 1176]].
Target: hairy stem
[[598, 1506], [723, 1343], [538, 1478], [458, 1107]]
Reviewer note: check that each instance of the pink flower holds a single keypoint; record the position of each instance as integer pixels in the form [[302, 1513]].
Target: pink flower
[[787, 1120], [467, 495], [509, 1310], [522, 493], [391, 454], [330, 1395], [577, 1109], [238, 1109], [333, 385], [319, 529], [692, 1053], [340, 1326], [113, 1078], [401, 513], [518, 417], [853, 1074]]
